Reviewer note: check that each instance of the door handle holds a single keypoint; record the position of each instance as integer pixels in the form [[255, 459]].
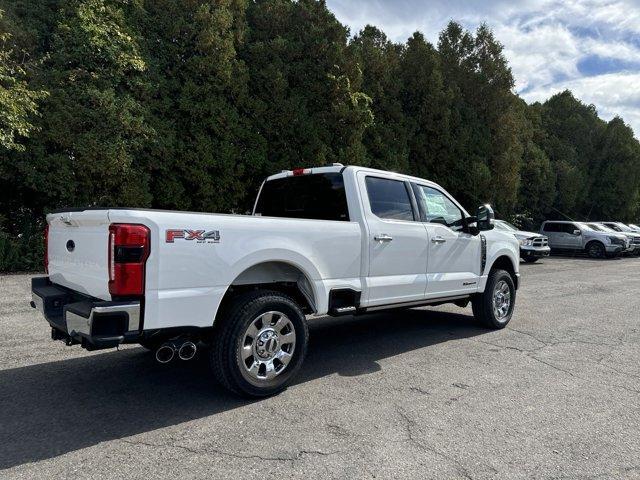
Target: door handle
[[438, 239], [383, 237]]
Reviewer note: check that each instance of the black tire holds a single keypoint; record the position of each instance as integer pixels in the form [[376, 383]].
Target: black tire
[[530, 259], [231, 333], [482, 303], [596, 249]]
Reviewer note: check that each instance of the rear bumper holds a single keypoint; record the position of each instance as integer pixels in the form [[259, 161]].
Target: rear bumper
[[76, 318]]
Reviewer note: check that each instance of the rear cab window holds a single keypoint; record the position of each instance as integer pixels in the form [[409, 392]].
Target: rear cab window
[[319, 196]]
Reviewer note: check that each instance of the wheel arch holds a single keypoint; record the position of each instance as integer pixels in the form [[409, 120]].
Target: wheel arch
[[279, 275], [505, 262], [595, 240]]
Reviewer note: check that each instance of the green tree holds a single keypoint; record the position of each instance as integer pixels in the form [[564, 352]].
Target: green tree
[[207, 148], [486, 118], [615, 192], [92, 125], [386, 139], [572, 130], [425, 102], [302, 84], [189, 104], [18, 102]]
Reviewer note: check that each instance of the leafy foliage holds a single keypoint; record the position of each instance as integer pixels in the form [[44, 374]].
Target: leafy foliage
[[189, 104]]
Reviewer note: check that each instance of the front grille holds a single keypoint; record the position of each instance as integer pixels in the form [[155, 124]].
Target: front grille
[[635, 240], [540, 242]]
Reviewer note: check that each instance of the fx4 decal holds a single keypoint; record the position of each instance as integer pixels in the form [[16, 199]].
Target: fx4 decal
[[200, 236]]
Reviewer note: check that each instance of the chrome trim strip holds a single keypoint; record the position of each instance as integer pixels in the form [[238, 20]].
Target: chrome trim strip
[[346, 309], [38, 302], [79, 324]]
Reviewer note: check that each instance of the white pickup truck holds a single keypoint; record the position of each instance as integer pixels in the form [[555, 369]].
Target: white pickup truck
[[330, 240]]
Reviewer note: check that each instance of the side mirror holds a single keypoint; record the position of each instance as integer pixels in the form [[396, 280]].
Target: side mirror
[[577, 232], [485, 217]]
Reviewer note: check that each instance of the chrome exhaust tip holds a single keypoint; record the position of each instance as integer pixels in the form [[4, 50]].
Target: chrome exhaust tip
[[187, 351], [165, 353]]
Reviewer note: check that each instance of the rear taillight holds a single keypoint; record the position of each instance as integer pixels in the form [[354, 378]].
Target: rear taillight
[[46, 248], [129, 247]]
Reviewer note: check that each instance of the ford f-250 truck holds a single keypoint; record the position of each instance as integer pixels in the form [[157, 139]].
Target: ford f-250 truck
[[330, 240]]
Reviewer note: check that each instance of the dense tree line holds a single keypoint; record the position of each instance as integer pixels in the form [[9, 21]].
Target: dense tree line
[[189, 104]]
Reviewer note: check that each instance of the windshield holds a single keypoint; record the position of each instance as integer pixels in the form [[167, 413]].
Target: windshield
[[604, 228], [598, 228], [623, 227], [502, 225]]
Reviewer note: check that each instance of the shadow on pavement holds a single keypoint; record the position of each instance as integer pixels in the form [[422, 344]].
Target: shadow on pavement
[[585, 257], [50, 409]]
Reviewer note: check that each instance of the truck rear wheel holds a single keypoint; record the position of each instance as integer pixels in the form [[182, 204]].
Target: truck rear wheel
[[260, 344], [494, 307]]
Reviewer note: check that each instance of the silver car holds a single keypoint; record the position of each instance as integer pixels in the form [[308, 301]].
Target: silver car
[[625, 230], [578, 236], [532, 245]]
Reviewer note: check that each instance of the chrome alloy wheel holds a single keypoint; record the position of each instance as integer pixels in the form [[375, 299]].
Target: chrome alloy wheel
[[501, 300], [267, 345]]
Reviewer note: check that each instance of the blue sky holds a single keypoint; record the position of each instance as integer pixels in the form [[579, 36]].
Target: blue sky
[[588, 46]]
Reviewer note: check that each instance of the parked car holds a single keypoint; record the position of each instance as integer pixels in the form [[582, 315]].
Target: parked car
[[532, 245], [331, 240], [627, 231], [577, 236], [634, 227], [633, 237]]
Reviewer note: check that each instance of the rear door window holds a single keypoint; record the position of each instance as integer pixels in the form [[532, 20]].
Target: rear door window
[[389, 199], [551, 227]]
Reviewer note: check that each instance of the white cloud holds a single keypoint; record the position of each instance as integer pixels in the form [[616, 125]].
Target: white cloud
[[546, 41], [543, 54], [612, 94]]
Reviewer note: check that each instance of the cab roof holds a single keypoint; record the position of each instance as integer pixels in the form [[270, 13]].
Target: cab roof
[[339, 168]]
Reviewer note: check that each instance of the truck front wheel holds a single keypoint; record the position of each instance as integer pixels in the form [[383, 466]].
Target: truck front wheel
[[260, 344], [596, 249], [494, 307]]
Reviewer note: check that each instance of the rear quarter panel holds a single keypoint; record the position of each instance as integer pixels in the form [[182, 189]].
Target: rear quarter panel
[[186, 279]]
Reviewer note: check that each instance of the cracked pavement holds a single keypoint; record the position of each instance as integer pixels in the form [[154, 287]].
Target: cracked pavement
[[419, 393]]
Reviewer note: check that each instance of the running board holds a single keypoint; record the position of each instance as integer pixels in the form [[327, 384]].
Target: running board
[[418, 303]]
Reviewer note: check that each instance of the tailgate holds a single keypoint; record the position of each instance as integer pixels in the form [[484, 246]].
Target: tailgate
[[78, 251]]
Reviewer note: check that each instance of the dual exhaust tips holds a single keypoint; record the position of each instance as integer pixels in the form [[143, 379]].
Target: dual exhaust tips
[[168, 350]]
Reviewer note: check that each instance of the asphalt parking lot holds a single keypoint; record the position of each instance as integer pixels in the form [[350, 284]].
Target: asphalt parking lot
[[412, 394]]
